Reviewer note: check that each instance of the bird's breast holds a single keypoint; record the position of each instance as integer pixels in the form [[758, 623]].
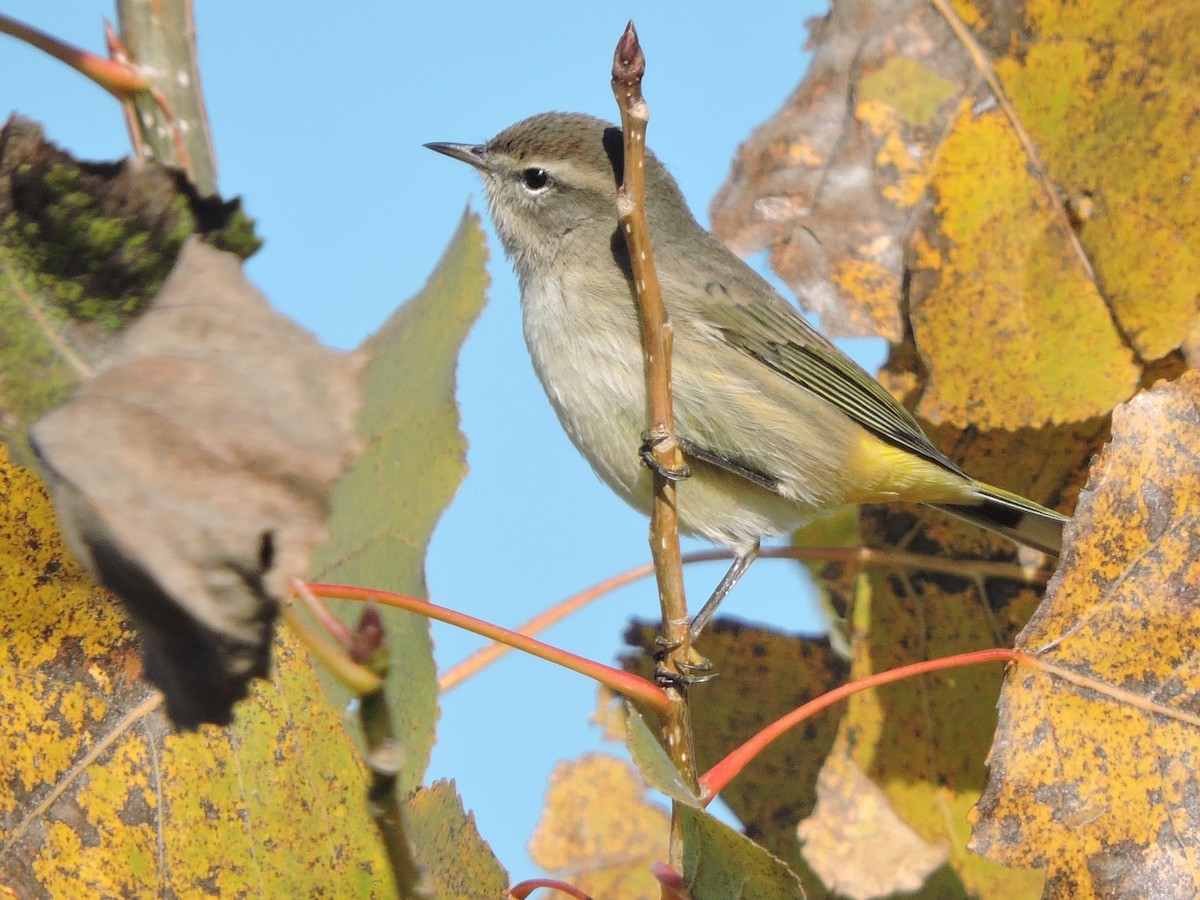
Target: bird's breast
[[586, 353]]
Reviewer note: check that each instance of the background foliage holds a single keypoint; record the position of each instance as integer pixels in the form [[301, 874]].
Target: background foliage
[[1006, 233]]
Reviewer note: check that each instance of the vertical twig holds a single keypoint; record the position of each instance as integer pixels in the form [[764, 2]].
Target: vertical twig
[[384, 757], [629, 65], [159, 37]]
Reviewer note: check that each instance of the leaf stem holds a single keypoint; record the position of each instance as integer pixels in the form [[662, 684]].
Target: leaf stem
[[384, 759], [971, 569], [1092, 683], [715, 779], [625, 683], [357, 678], [121, 80], [483, 658]]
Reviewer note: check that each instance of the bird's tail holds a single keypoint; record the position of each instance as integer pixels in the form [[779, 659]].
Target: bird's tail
[[1012, 516]]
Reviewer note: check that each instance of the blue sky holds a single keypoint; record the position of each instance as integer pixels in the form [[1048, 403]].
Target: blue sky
[[318, 119]]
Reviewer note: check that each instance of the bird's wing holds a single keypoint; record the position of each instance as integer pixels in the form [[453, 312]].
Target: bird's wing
[[784, 342]]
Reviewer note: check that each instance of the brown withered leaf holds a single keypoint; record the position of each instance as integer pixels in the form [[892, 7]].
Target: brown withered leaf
[[1014, 179], [831, 182], [84, 246], [1093, 769], [192, 472], [857, 843]]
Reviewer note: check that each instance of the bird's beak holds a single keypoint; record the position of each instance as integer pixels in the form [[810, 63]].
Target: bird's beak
[[472, 154]]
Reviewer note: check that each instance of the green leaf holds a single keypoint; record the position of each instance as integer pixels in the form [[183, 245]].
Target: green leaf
[[455, 860], [722, 863], [658, 770], [385, 508]]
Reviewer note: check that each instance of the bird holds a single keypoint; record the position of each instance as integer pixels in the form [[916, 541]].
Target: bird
[[776, 423]]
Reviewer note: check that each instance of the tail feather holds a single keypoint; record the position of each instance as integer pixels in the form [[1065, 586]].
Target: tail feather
[[1012, 516]]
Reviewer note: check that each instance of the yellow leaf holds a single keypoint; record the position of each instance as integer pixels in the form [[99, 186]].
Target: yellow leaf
[[1092, 773], [1108, 93], [922, 742], [1010, 325], [101, 799], [599, 832]]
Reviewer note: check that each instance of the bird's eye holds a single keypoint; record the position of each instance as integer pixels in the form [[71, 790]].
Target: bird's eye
[[535, 179]]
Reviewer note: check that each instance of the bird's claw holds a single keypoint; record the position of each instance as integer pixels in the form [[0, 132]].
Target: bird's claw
[[693, 670], [650, 461]]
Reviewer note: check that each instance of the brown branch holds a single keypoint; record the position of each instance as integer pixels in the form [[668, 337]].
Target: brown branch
[[159, 38], [629, 65]]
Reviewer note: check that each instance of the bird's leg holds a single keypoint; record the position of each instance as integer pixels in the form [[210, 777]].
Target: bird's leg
[[736, 571], [698, 669]]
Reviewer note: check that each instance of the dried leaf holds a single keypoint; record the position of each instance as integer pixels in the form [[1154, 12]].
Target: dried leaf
[[857, 843], [922, 742], [597, 830], [191, 474], [609, 714], [831, 181], [83, 249], [1092, 773]]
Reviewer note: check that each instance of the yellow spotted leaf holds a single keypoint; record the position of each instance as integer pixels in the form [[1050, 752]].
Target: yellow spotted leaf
[[1093, 770], [1108, 94], [454, 860], [1009, 322], [599, 832], [98, 798], [1025, 171]]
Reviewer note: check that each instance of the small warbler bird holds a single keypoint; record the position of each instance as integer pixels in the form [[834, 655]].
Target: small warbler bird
[[776, 424]]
